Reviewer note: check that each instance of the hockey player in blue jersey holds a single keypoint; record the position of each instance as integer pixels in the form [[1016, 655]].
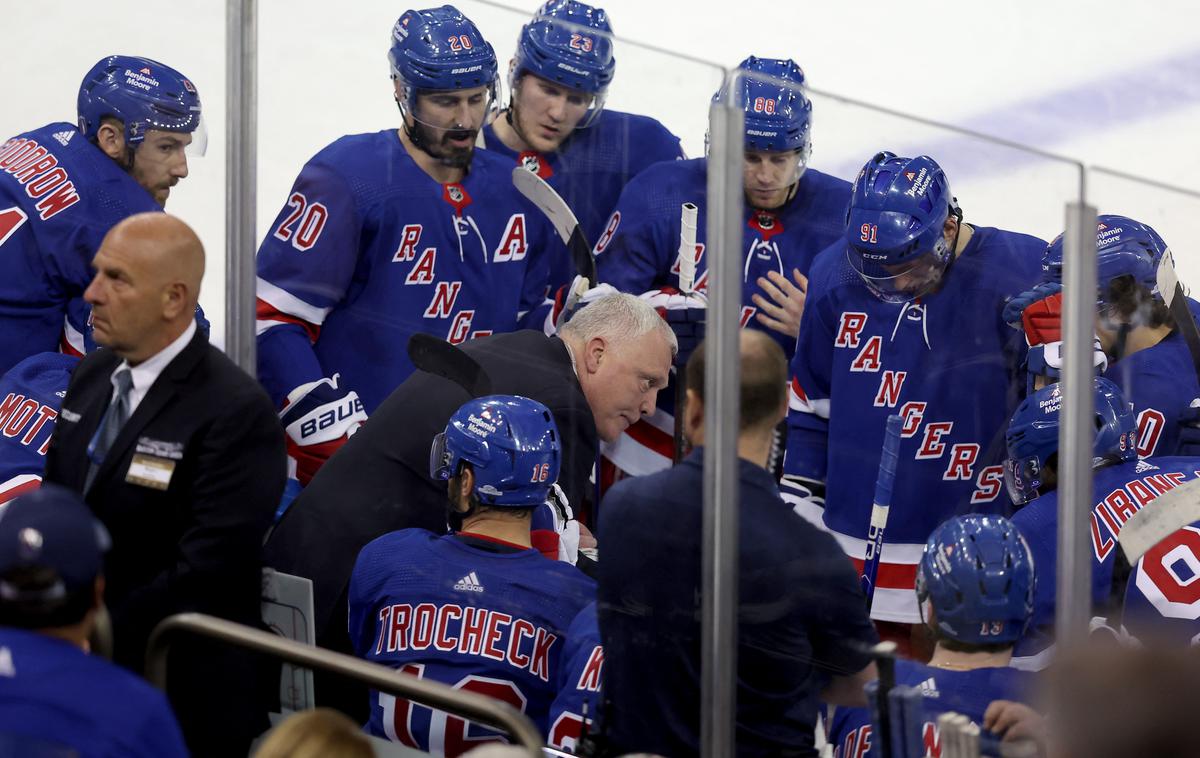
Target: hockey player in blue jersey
[[556, 124], [1162, 606], [975, 585], [904, 317], [394, 232], [1122, 485], [792, 213], [63, 186], [478, 609], [581, 675], [1147, 357]]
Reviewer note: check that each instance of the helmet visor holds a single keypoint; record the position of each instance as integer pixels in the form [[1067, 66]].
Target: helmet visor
[[900, 282], [439, 459], [1022, 477]]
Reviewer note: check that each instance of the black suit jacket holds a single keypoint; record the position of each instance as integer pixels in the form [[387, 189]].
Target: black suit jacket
[[195, 545], [379, 481]]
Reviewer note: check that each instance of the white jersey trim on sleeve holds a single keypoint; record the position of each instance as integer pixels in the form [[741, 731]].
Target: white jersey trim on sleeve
[[285, 302], [798, 402]]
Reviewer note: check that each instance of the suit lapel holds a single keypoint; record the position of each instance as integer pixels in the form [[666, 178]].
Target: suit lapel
[[164, 389]]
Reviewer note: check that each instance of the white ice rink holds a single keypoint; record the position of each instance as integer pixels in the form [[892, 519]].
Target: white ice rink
[[1107, 83]]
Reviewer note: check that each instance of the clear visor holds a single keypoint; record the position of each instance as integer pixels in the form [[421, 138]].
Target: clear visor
[[454, 115], [193, 124], [1022, 477], [555, 105], [900, 282], [439, 459], [766, 172]]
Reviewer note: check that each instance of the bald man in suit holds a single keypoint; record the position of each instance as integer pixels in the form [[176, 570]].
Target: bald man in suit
[[180, 453]]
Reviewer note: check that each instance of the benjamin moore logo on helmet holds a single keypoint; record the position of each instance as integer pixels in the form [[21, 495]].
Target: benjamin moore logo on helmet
[[1053, 403], [400, 30], [920, 184], [480, 426], [140, 79], [1104, 234]]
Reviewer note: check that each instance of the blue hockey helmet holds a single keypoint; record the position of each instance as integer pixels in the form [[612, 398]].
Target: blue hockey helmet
[[1124, 247], [977, 576], [778, 114], [511, 443], [1032, 436], [898, 208], [143, 94], [569, 43], [440, 49]]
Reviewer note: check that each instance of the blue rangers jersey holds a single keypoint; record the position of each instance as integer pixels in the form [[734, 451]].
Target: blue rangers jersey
[[59, 196], [487, 622], [966, 692], [581, 674], [30, 396], [1118, 492], [1160, 381], [947, 363], [592, 166], [369, 249], [1162, 598], [639, 251]]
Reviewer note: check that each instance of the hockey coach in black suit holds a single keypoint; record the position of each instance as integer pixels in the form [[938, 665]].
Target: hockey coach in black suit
[[600, 375], [180, 454]]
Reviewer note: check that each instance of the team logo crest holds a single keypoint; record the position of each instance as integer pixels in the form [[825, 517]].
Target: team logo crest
[[455, 192], [531, 163], [766, 221]]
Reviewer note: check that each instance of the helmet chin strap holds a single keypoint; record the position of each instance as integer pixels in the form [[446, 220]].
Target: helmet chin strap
[[417, 138]]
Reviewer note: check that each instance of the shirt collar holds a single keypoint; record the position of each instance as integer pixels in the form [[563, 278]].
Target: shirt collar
[[147, 371]]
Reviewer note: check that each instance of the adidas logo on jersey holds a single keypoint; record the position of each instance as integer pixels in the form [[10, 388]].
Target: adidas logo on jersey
[[469, 583], [929, 688], [64, 137]]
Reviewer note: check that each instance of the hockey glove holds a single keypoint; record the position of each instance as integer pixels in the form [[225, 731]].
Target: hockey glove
[[806, 496], [318, 418], [554, 530], [1041, 320], [1017, 304], [570, 298], [685, 314]]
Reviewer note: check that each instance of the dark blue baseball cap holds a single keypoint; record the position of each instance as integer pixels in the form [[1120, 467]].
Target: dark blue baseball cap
[[52, 528]]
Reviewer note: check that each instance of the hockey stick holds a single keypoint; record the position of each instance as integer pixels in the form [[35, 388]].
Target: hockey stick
[[687, 282], [1172, 511], [535, 189], [1177, 303], [879, 510], [436, 356]]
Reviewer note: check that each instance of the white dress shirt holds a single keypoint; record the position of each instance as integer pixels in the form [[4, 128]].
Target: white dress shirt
[[145, 373]]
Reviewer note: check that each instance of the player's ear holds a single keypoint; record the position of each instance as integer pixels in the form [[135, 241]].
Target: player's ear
[[466, 486], [110, 138]]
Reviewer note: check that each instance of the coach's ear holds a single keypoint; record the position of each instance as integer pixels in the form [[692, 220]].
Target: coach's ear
[[693, 419]]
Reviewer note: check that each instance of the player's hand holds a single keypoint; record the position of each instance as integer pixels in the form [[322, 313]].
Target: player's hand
[[1017, 304], [1189, 431], [781, 313], [318, 418], [570, 298], [1014, 722]]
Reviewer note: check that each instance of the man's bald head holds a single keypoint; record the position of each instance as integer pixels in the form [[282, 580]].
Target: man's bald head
[[764, 379], [147, 284]]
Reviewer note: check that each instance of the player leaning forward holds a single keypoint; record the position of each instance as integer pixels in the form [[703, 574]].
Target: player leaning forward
[[394, 232], [903, 316], [62, 187]]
